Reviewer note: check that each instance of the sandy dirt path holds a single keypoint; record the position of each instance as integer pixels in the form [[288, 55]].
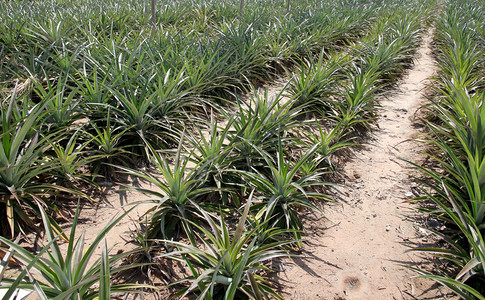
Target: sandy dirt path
[[359, 255]]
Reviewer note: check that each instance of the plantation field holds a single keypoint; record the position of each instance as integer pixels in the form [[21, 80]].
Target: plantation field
[[242, 150]]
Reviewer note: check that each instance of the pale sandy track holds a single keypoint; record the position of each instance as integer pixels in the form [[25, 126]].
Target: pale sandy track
[[359, 255]]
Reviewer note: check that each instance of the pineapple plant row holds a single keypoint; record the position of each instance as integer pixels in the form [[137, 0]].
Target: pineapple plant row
[[454, 180]]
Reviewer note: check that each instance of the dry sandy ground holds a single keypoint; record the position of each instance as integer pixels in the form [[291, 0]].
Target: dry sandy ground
[[362, 252]]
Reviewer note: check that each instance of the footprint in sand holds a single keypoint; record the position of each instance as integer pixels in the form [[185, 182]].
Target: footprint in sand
[[352, 284]]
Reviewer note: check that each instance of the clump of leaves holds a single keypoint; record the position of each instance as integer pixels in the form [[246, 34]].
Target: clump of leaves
[[174, 202], [22, 164], [70, 275], [283, 192], [229, 264]]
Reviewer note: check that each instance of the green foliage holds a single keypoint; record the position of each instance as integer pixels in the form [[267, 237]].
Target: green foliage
[[213, 153], [21, 163], [177, 189], [316, 81], [106, 146], [72, 275], [283, 192], [230, 264], [259, 125], [457, 135], [469, 257], [329, 142], [71, 161]]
